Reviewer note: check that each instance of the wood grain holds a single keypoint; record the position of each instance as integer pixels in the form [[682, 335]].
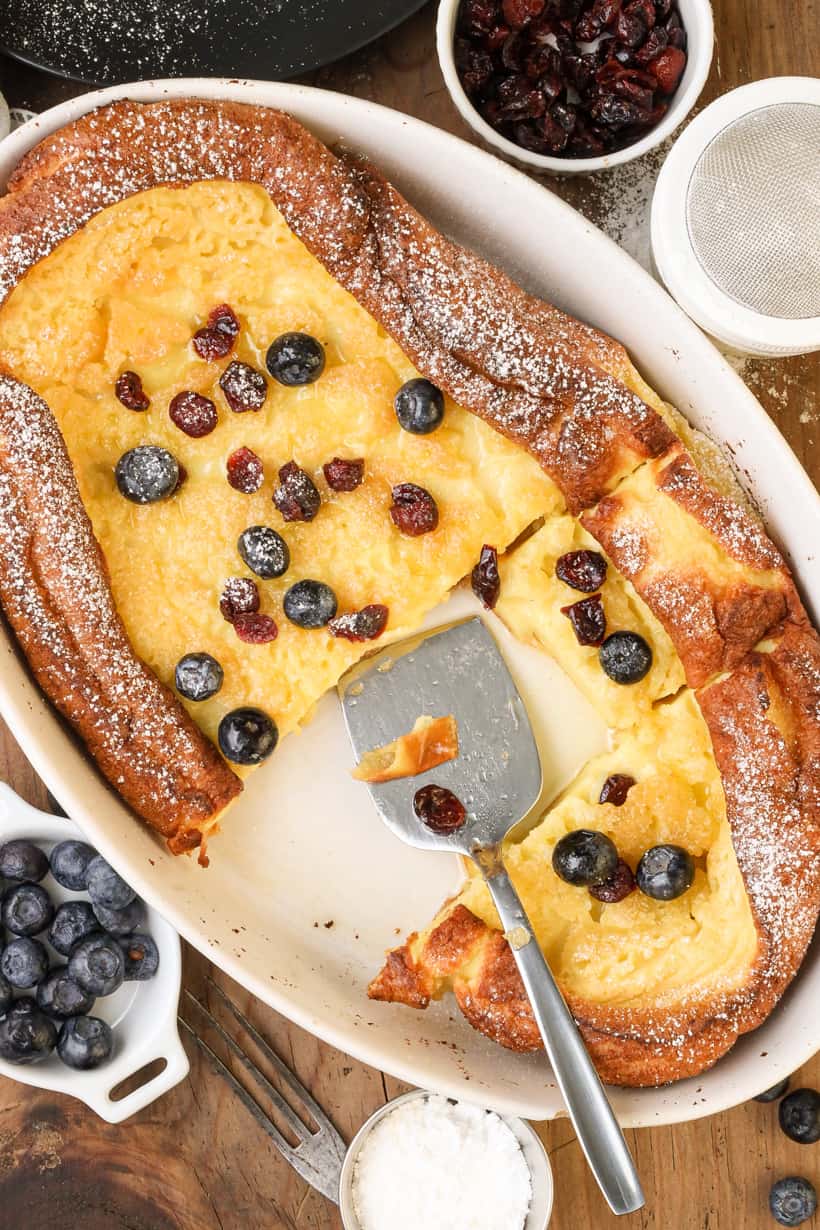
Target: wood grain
[[196, 1160]]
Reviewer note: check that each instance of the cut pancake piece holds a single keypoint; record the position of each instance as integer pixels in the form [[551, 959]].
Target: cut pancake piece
[[636, 967], [703, 566], [127, 293], [530, 603]]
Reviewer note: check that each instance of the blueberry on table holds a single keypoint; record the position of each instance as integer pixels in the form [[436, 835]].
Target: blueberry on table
[[69, 864], [60, 996], [107, 888], [799, 1115], [264, 551], [310, 604], [295, 358], [26, 1033], [98, 965], [792, 1201], [22, 860], [121, 922], [665, 872], [24, 963], [198, 676], [147, 474], [419, 407], [584, 857], [625, 657], [73, 921], [247, 735], [85, 1042], [141, 957], [6, 994], [775, 1092], [26, 909]]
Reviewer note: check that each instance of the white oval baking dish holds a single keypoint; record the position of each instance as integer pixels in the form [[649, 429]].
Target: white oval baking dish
[[306, 889]]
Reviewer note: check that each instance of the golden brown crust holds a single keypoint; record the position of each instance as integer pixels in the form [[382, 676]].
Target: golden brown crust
[[715, 604], [537, 376], [55, 594]]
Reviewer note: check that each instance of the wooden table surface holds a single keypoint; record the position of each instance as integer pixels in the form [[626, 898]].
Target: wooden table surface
[[196, 1160]]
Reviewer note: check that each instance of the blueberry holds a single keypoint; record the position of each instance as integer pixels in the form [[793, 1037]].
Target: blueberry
[[799, 1114], [264, 551], [26, 1033], [141, 957], [584, 857], [665, 872], [98, 965], [247, 735], [22, 860], [107, 888], [121, 922], [6, 994], [69, 864], [24, 963], [73, 921], [27, 909], [776, 1091], [792, 1201], [198, 676], [85, 1042], [147, 474], [310, 604], [60, 996], [625, 657], [295, 358], [419, 407]]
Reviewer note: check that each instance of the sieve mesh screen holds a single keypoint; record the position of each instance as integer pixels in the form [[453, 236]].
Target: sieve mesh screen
[[753, 210]]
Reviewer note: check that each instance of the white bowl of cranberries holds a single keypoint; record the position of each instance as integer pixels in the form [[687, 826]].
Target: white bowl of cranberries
[[572, 86]]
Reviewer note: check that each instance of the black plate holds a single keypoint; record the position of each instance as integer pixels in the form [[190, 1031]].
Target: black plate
[[105, 42]]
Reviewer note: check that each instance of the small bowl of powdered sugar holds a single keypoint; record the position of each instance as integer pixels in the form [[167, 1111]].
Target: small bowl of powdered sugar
[[425, 1160]]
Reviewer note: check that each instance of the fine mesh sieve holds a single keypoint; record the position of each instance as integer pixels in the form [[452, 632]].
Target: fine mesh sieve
[[753, 210]]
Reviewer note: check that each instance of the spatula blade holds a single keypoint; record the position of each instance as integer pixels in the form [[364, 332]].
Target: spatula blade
[[459, 671]]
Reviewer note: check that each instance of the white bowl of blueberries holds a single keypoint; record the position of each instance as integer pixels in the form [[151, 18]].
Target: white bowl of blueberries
[[89, 975]]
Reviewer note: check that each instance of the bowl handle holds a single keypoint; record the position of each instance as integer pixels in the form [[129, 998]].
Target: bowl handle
[[176, 1069]]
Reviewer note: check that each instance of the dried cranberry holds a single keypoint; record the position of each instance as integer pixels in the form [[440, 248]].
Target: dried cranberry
[[543, 61], [579, 70], [644, 10], [244, 387], [616, 112], [616, 788], [518, 13], [193, 414], [640, 95], [514, 52], [607, 11], [484, 579], [667, 69], [583, 570], [478, 16], [617, 887], [554, 133], [342, 474], [240, 596], [630, 29], [520, 100], [475, 68], [245, 471], [439, 809], [588, 620], [588, 27], [296, 498], [363, 625], [413, 511], [217, 338], [654, 44], [677, 38], [255, 629], [130, 392], [663, 8]]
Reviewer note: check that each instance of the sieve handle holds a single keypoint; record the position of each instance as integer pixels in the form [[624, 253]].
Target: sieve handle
[[592, 1117]]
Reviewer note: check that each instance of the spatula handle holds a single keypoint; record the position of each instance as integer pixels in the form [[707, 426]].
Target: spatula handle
[[595, 1124]]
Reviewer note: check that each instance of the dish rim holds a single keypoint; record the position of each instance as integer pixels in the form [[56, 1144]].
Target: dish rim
[[16, 710]]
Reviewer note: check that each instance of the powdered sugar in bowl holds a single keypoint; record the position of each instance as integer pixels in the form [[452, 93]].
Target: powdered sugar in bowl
[[423, 1159]]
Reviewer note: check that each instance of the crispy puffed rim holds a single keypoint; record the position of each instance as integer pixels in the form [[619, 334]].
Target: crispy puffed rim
[[539, 377]]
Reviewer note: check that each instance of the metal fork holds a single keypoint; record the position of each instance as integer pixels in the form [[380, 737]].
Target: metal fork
[[319, 1154]]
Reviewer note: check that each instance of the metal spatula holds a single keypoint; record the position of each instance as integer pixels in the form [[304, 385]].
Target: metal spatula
[[497, 777]]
